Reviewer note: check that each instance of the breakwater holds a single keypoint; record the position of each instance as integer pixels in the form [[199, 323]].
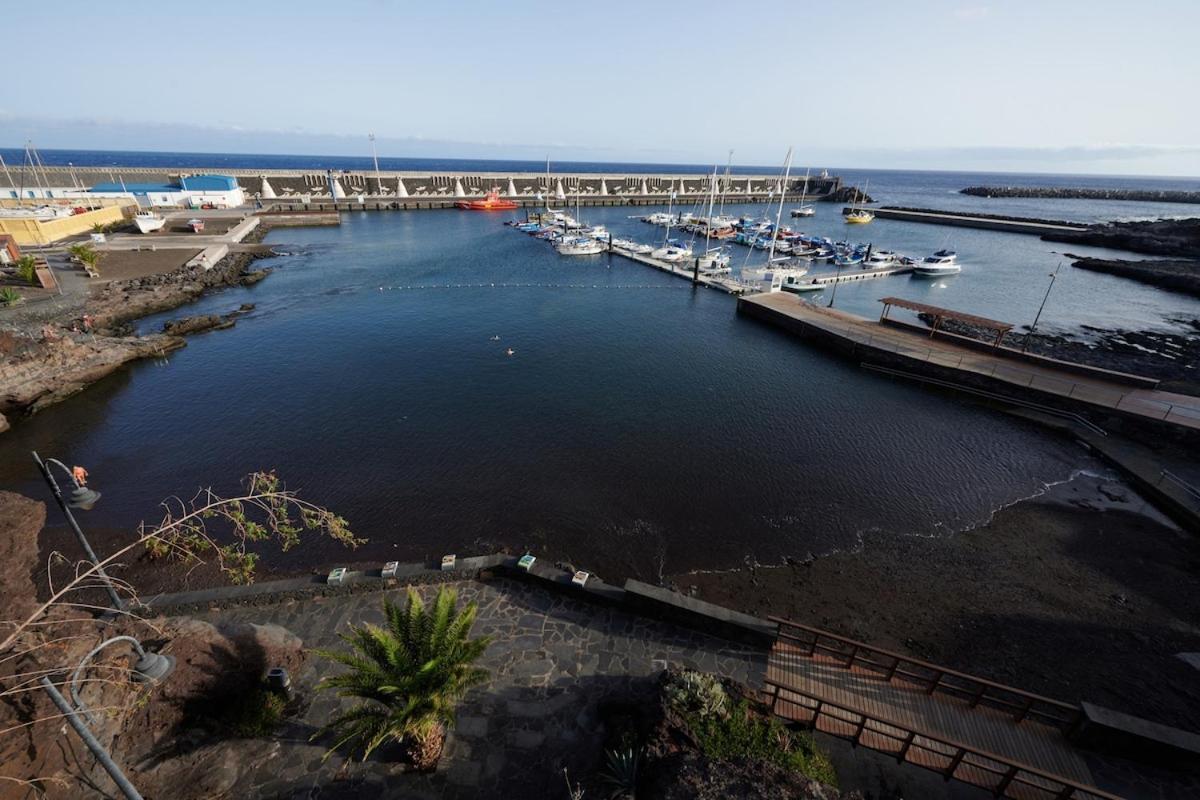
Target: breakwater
[[427, 189], [1076, 193], [986, 221]]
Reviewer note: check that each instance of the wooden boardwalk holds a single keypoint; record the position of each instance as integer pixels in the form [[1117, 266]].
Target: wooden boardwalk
[[863, 335], [985, 734]]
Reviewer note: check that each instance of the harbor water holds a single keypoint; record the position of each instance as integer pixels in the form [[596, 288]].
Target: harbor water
[[639, 427]]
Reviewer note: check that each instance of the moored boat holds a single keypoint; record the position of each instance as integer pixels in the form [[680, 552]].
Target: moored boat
[[491, 202], [943, 262]]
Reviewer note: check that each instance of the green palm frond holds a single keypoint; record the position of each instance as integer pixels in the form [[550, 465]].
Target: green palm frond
[[410, 673]]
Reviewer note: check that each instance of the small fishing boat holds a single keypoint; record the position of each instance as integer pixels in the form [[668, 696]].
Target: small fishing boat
[[197, 225], [491, 202], [148, 221], [943, 262]]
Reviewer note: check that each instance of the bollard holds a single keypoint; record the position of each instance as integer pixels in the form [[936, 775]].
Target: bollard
[[280, 683]]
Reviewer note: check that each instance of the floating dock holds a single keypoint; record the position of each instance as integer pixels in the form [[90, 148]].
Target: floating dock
[[984, 221]]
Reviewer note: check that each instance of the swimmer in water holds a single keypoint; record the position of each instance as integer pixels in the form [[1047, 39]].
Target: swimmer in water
[[509, 351]]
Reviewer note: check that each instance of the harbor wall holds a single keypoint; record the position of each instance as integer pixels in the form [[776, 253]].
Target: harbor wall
[[431, 186], [36, 231]]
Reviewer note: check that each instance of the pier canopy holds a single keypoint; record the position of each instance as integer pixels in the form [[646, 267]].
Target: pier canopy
[[942, 314]]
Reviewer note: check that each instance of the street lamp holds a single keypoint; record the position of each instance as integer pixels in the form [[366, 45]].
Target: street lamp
[[149, 668], [82, 498], [1038, 316]]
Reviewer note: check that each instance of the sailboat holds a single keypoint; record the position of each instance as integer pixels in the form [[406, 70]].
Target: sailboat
[[860, 215], [776, 273], [671, 250], [805, 210], [584, 244], [714, 259]]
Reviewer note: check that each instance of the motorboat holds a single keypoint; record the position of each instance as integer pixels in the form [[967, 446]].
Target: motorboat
[[596, 232], [632, 246], [197, 225], [659, 218], [804, 211], [880, 258], [714, 261], [800, 287], [579, 246], [492, 201], [943, 262], [148, 221]]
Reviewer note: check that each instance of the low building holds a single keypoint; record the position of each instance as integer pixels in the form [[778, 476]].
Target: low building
[[190, 191], [49, 224]]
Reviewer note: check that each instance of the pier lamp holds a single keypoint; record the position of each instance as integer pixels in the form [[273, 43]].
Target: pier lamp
[[83, 498], [149, 668]]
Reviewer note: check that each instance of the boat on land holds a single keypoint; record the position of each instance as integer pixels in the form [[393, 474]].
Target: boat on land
[[148, 221], [492, 201], [943, 262], [197, 225]]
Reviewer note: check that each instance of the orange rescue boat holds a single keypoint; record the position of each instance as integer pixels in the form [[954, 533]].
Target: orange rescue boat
[[492, 202]]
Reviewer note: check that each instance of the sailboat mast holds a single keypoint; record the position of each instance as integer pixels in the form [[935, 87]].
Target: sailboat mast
[[725, 186], [712, 192], [787, 172]]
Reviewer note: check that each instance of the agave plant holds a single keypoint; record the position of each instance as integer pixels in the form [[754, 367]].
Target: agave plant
[[621, 772], [408, 675]]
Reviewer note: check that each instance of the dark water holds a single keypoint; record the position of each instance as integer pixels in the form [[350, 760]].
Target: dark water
[[641, 425]]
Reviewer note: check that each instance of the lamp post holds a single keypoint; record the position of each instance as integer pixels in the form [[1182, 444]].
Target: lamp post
[[1038, 316], [83, 498], [836, 281], [149, 668]]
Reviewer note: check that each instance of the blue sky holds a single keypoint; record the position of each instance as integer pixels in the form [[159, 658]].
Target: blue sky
[[1015, 86]]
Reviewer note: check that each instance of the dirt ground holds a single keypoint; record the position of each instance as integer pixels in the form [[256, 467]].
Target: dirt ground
[[1053, 596], [117, 265]]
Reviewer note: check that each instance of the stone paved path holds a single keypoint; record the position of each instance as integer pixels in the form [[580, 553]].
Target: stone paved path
[[553, 661]]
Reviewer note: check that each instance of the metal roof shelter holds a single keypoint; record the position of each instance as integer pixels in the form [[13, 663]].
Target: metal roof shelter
[[939, 314]]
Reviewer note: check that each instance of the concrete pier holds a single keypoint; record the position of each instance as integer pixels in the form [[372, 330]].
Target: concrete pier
[[995, 371]]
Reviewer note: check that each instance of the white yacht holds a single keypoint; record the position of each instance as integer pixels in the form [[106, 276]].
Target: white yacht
[[804, 211], [943, 262], [596, 232], [632, 246], [659, 218], [579, 246], [880, 258], [148, 221], [715, 262], [672, 253]]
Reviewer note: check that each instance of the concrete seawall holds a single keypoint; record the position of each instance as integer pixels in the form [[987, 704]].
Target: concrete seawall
[[986, 222]]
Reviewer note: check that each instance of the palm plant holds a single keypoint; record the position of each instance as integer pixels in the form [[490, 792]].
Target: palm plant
[[27, 269], [409, 675]]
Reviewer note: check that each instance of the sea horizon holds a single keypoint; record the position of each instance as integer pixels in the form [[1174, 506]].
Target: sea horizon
[[168, 159]]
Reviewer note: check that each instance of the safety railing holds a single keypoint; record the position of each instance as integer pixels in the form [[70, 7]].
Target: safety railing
[[930, 678], [1002, 776]]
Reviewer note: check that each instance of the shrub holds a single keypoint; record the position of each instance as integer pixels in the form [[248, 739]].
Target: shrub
[[9, 297], [408, 675], [621, 771], [692, 692], [747, 734], [27, 269], [256, 714]]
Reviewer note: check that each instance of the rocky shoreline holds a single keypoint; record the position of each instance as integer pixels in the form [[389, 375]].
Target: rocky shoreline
[[51, 354], [1067, 193], [1163, 237], [1175, 276]]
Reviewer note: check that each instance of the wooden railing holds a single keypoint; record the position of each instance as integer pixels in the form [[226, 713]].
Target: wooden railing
[[933, 679], [1002, 776]]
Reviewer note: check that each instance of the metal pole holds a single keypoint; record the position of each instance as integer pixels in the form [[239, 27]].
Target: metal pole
[[833, 294], [87, 548], [1038, 316], [110, 766]]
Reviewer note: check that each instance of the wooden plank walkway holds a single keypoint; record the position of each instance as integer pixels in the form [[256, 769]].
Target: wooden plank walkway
[[858, 332], [976, 744]]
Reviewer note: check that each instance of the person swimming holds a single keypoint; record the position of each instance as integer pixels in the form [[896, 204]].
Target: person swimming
[[509, 351]]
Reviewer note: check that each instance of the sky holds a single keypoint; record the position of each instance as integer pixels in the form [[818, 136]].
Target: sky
[[1010, 85]]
